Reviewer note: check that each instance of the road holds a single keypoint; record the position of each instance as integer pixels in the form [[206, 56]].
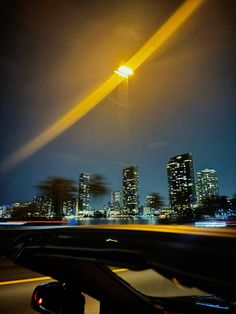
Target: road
[[15, 298], [16, 289]]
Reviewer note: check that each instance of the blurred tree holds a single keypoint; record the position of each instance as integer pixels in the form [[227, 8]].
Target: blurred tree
[[184, 206], [98, 214], [98, 186], [208, 207], [59, 189], [211, 205], [184, 200], [223, 203]]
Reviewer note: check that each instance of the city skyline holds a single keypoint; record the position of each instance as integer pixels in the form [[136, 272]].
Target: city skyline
[[182, 99], [84, 196]]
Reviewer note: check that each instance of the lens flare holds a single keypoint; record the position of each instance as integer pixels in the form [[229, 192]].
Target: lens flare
[[124, 71], [83, 107]]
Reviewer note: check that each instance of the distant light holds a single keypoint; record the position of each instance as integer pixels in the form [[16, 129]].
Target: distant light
[[124, 71], [30, 222], [111, 240], [210, 224], [15, 223], [216, 306]]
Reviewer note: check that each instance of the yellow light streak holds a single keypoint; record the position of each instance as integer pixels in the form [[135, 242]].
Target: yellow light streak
[[173, 23], [13, 282], [67, 120], [120, 270], [181, 229], [83, 107], [20, 281]]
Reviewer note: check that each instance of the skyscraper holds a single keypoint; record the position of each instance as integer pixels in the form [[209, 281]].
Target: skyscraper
[[116, 200], [84, 194], [154, 201], [181, 183], [131, 189], [43, 204], [207, 184]]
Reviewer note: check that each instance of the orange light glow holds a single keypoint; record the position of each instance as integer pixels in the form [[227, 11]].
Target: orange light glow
[[167, 29]]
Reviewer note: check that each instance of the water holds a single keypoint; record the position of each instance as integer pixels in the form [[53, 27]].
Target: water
[[113, 221]]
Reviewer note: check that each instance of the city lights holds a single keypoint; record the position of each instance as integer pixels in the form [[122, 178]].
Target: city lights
[[211, 224]]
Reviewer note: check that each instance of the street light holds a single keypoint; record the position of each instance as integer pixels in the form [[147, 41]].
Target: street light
[[88, 103], [124, 71]]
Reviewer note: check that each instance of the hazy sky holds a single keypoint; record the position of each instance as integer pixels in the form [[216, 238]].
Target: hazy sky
[[182, 99]]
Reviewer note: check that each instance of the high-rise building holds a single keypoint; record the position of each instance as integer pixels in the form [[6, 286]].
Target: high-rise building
[[84, 192], [116, 202], [43, 204], [181, 183], [154, 201], [150, 207], [207, 184], [69, 206], [131, 189]]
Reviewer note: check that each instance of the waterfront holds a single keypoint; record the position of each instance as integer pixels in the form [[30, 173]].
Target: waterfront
[[114, 221]]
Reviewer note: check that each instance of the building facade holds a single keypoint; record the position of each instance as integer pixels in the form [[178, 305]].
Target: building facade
[[154, 202], [43, 204], [69, 206], [131, 190], [116, 200], [181, 183], [84, 192], [207, 184]]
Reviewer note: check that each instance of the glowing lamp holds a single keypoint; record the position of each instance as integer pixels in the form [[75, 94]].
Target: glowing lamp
[[124, 71]]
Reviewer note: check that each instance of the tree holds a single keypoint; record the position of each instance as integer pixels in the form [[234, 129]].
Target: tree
[[208, 207], [59, 189], [223, 203], [98, 186], [212, 204]]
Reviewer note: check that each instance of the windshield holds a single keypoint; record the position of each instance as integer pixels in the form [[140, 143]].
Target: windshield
[[150, 283]]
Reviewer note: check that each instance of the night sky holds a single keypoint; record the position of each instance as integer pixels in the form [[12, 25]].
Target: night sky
[[182, 99]]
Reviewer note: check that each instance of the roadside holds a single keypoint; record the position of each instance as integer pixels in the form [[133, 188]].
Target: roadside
[[11, 271]]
